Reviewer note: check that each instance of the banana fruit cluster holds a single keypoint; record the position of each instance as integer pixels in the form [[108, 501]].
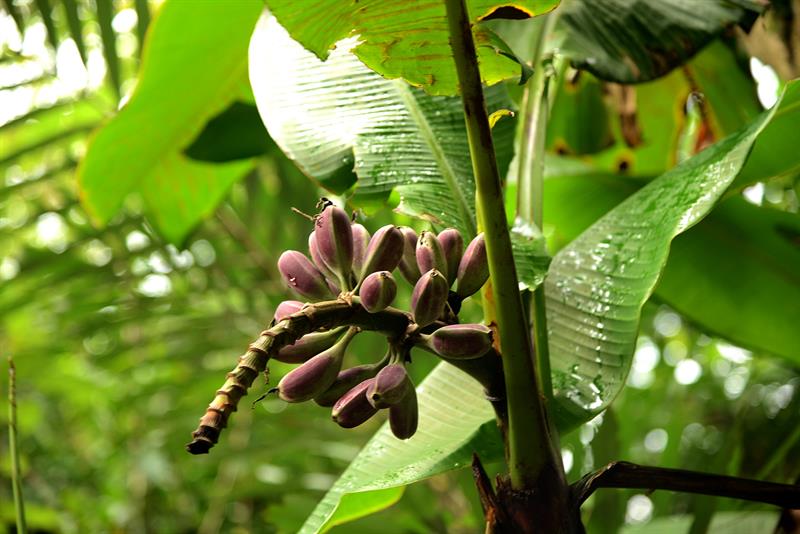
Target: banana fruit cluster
[[346, 262]]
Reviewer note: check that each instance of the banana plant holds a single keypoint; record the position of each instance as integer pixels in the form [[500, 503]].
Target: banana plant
[[563, 348], [507, 131]]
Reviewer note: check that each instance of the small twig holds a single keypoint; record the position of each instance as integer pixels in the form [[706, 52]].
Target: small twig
[[236, 229], [303, 214], [633, 476], [16, 472]]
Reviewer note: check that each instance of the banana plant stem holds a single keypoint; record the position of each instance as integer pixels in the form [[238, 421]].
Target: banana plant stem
[[530, 188], [529, 448]]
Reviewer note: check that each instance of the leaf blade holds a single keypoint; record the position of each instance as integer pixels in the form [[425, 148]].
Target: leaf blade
[[401, 39], [204, 72], [337, 115], [735, 249], [598, 283], [631, 41], [445, 415]]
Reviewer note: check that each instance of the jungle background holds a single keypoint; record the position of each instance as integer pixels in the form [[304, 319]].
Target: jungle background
[[121, 334]]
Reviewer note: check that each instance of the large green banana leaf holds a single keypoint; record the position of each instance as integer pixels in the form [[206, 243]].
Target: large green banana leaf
[[338, 115], [598, 284], [735, 274], [404, 38], [631, 41]]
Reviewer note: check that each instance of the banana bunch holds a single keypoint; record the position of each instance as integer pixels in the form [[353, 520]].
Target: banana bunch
[[347, 263]]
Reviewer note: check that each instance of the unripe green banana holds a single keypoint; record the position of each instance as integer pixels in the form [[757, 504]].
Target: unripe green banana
[[307, 346], [461, 341], [404, 416], [377, 291], [453, 247], [345, 381], [473, 270], [301, 276], [360, 243], [334, 239], [390, 386], [430, 254], [316, 375], [353, 408], [429, 297], [408, 263], [287, 308], [384, 251]]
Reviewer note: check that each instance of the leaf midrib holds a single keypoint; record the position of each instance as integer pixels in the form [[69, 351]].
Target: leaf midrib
[[443, 164]]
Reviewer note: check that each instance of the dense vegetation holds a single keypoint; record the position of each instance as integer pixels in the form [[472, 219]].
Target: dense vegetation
[[149, 169]]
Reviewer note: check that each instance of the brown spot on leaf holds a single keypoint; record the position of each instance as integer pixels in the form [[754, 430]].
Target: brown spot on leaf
[[624, 164], [624, 100]]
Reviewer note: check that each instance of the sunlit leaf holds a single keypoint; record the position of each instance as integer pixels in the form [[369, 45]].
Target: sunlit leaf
[[402, 39], [186, 79], [630, 41], [338, 115], [597, 285]]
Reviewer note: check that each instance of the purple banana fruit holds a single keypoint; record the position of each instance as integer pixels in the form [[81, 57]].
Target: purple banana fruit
[[430, 254], [473, 270], [390, 386], [453, 247], [408, 263], [384, 251], [377, 291], [461, 341], [307, 347], [334, 239], [345, 381], [316, 258], [353, 408], [429, 297], [301, 276], [316, 375], [404, 416], [287, 308], [360, 243]]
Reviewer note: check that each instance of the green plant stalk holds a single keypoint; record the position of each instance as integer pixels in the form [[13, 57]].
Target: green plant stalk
[[16, 472], [530, 189], [780, 453], [529, 447]]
